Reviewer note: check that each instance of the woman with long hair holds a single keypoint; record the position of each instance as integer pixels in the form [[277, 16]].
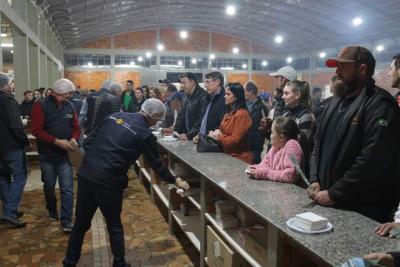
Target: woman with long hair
[[235, 125]]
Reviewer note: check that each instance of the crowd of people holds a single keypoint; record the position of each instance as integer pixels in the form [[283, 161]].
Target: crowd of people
[[346, 144]]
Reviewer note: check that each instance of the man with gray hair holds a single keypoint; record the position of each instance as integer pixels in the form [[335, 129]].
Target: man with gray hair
[[55, 125], [107, 104], [12, 154], [87, 112], [111, 149]]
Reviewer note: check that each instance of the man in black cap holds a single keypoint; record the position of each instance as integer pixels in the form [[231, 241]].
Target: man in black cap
[[164, 84], [355, 160]]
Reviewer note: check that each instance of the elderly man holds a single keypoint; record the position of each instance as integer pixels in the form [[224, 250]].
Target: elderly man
[[111, 150], [355, 160], [394, 75], [55, 125], [12, 154]]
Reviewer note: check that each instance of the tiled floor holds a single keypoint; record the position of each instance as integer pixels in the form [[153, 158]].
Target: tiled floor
[[42, 243]]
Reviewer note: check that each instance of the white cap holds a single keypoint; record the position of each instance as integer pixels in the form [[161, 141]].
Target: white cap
[[154, 108], [63, 86], [287, 72]]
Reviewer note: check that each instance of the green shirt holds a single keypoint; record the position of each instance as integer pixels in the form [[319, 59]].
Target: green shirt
[[127, 101]]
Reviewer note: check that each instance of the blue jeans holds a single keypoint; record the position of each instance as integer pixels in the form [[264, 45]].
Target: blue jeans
[[53, 167], [11, 191]]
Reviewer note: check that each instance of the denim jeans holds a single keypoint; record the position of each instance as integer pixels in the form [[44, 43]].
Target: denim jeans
[[53, 167], [109, 200], [11, 191]]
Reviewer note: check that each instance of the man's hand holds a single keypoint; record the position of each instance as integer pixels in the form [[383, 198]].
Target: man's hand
[[384, 259], [322, 198], [167, 130], [391, 229], [63, 144], [195, 139], [215, 134], [181, 184], [251, 171], [313, 190], [183, 137]]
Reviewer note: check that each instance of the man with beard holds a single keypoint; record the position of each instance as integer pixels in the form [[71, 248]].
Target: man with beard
[[354, 164]]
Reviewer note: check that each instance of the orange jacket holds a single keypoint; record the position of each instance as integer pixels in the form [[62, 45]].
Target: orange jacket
[[235, 127]]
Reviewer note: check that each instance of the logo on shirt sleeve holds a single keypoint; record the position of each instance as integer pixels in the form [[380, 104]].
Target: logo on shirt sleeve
[[382, 122]]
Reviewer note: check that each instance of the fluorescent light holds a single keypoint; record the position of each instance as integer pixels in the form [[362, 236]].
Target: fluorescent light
[[230, 10], [180, 62], [278, 39], [264, 63], [160, 47], [183, 34], [132, 63], [6, 45], [3, 34], [235, 50], [226, 68], [244, 66], [194, 61], [357, 21], [289, 59], [148, 54], [212, 56], [140, 59], [380, 48], [322, 55]]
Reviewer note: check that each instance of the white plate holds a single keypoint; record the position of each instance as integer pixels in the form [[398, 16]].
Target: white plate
[[169, 139], [292, 225]]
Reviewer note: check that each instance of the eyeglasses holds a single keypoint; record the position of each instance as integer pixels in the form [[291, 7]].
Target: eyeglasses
[[208, 81]]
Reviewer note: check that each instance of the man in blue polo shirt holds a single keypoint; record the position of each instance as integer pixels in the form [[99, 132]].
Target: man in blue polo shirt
[[111, 149]]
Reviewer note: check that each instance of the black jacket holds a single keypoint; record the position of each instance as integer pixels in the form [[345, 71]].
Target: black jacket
[[279, 106], [115, 145], [195, 105], [133, 106], [12, 134], [91, 103], [365, 171], [105, 105], [217, 111], [256, 137], [26, 108]]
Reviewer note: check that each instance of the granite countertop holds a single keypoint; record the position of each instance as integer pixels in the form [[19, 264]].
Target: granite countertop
[[353, 234]]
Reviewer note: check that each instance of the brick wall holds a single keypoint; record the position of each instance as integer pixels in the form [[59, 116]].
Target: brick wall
[[197, 41], [237, 77], [87, 79], [102, 43], [264, 82], [140, 40], [225, 43], [123, 76]]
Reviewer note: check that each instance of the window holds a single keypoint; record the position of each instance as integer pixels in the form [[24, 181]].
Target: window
[[85, 60]]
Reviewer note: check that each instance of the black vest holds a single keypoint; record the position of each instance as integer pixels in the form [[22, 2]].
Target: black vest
[[58, 121], [91, 102]]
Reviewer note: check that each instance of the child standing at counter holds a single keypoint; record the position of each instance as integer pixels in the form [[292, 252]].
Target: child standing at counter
[[276, 165]]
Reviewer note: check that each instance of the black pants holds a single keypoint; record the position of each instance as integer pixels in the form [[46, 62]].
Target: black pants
[[89, 198]]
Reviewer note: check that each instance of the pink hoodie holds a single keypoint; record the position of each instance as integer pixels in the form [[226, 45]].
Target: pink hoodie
[[276, 165]]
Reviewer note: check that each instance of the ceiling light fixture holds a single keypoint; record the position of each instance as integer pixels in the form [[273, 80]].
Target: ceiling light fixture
[[322, 55], [278, 39], [230, 10], [289, 59], [194, 61], [90, 64], [357, 21], [140, 59], [235, 50], [264, 63], [148, 54], [160, 47], [183, 34], [180, 63], [212, 56], [6, 45], [132, 63], [244, 66], [3, 34]]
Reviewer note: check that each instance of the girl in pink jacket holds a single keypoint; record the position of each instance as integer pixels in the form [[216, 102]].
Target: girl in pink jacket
[[276, 165]]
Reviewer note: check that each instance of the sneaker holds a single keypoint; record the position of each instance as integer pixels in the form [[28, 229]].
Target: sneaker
[[13, 222], [67, 227], [53, 216], [120, 262]]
